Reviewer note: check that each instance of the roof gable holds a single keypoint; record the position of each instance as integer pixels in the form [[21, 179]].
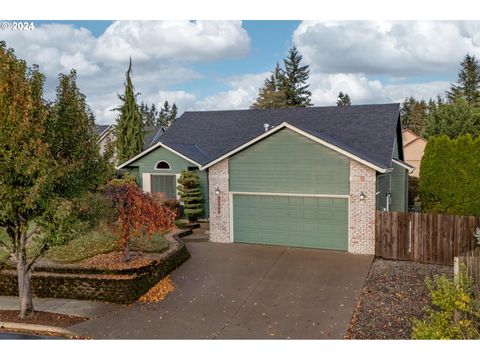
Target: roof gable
[[365, 131], [317, 138]]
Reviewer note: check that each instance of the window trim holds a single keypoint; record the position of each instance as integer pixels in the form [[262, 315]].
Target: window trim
[[162, 161]]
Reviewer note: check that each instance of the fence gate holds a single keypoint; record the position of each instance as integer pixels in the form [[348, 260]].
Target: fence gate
[[425, 238]]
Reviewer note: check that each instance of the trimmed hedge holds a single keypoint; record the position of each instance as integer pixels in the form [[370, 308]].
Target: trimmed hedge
[[450, 176]]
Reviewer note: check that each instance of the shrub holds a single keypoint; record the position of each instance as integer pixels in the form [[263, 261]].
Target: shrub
[[449, 176], [67, 219], [174, 205], [412, 192], [190, 195], [454, 313]]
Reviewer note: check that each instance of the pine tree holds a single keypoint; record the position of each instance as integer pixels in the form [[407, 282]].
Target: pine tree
[[190, 195], [164, 116], [343, 99], [173, 113], [297, 87], [468, 82], [129, 127], [272, 95]]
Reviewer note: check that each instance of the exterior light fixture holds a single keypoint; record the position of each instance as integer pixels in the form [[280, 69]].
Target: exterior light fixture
[[362, 196], [217, 191]]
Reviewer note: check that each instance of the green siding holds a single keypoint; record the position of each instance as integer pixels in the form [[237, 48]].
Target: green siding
[[287, 162], [399, 188], [291, 221], [383, 187], [146, 164]]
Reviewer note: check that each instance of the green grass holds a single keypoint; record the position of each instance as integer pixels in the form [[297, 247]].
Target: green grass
[[3, 238], [100, 242]]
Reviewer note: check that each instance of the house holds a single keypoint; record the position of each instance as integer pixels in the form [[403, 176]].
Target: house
[[413, 149], [106, 136], [308, 177]]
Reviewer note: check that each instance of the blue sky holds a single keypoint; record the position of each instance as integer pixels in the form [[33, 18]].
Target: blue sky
[[209, 65]]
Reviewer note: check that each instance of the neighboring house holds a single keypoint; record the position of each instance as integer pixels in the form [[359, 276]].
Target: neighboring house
[[106, 136], [413, 148], [309, 177]]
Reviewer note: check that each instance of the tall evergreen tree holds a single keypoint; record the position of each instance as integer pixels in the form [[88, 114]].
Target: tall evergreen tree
[[468, 82], [70, 134], [414, 114], [297, 87], [343, 99], [164, 117], [272, 95], [129, 127], [167, 114], [173, 113]]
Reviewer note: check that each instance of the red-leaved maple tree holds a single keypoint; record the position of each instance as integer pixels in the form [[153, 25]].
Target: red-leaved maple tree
[[137, 213]]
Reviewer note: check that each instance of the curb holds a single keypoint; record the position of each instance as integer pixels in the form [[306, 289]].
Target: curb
[[37, 328]]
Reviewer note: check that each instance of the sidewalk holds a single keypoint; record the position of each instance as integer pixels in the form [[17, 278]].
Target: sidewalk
[[83, 308]]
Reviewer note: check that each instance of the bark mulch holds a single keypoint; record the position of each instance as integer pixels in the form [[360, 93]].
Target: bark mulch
[[42, 318], [116, 261], [394, 293]]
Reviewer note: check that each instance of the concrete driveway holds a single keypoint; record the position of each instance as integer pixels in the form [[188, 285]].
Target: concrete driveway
[[241, 291]]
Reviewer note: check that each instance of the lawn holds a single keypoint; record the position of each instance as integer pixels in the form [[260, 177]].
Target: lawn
[[96, 242], [102, 241], [3, 238]]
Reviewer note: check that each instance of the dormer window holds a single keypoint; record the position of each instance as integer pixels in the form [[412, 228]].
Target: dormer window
[[162, 165]]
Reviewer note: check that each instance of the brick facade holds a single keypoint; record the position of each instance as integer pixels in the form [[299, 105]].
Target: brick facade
[[219, 204], [362, 212]]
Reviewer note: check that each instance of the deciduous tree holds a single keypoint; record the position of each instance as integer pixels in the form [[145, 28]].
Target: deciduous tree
[[28, 172], [138, 213]]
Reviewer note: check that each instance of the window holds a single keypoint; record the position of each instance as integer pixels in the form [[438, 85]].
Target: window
[[164, 186], [162, 165]]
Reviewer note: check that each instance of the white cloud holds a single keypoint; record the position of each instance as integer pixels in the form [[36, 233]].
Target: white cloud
[[389, 48], [180, 40], [160, 50]]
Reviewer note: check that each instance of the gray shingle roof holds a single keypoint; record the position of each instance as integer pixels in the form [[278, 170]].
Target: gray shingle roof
[[99, 129], [152, 135], [367, 131]]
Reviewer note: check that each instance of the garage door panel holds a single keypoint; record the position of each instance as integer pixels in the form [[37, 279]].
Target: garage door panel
[[291, 221]]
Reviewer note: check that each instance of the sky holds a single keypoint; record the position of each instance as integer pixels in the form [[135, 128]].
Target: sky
[[219, 65]]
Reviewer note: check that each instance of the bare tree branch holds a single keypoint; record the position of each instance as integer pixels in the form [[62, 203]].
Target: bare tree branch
[[40, 253]]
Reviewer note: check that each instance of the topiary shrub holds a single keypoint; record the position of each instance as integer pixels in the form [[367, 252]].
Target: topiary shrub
[[454, 313], [190, 195]]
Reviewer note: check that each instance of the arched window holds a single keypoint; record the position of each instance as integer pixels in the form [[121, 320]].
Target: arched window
[[162, 165]]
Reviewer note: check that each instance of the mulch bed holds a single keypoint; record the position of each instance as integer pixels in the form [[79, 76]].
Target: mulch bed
[[116, 261], [394, 293], [42, 318]]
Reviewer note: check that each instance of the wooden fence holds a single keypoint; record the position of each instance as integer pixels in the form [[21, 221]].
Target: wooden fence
[[425, 238], [471, 261]]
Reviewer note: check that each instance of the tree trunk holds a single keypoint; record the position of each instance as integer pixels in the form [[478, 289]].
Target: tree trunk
[[24, 279], [127, 252]]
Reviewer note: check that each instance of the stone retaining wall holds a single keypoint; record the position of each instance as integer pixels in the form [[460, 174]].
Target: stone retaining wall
[[116, 286]]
